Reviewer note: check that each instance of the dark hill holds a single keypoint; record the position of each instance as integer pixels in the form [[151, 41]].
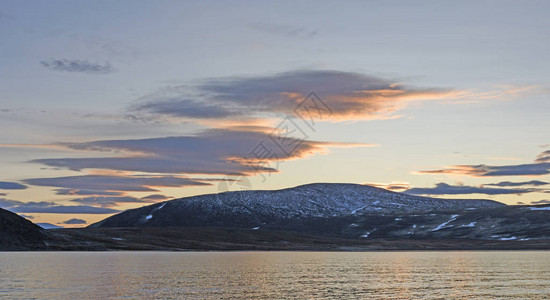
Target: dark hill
[[17, 233], [320, 208]]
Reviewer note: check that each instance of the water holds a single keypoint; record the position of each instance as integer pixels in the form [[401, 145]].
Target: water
[[275, 275]]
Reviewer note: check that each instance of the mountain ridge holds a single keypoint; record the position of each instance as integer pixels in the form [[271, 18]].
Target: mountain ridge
[[269, 208]]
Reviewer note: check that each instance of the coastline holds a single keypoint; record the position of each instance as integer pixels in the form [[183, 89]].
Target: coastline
[[223, 239]]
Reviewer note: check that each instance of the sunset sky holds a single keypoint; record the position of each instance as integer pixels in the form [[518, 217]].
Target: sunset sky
[[110, 105]]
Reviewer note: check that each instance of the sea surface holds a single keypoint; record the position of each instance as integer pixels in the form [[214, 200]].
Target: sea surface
[[275, 275]]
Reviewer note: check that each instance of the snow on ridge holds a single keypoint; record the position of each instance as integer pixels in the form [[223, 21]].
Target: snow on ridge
[[365, 235], [444, 224], [353, 212], [150, 216], [472, 224], [540, 208]]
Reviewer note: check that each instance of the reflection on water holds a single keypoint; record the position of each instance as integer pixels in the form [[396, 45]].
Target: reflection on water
[[275, 275]]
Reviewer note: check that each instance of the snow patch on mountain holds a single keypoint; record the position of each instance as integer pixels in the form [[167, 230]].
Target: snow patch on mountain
[[540, 208], [444, 225], [472, 224], [150, 216]]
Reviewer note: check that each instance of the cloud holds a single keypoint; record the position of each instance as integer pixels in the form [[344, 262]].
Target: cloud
[[82, 66], [341, 96], [111, 201], [115, 183], [73, 221], [8, 203], [540, 202], [489, 171], [540, 167], [543, 157], [186, 108], [348, 95], [77, 192], [11, 186], [283, 30], [26, 216], [446, 189], [3, 194], [156, 197], [508, 183], [51, 207], [394, 186], [214, 151]]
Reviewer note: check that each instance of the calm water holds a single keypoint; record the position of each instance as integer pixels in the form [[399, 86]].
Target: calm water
[[275, 275]]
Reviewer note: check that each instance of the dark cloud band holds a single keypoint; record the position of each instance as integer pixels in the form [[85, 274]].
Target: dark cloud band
[[52, 208], [82, 66], [4, 185], [446, 189]]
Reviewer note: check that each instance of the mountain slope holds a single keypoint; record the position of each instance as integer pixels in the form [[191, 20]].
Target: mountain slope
[[17, 233], [308, 208]]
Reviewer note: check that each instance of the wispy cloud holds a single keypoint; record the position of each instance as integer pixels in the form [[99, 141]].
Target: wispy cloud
[[544, 157], [82, 66], [77, 192], [524, 183], [446, 189], [110, 201], [4, 185], [214, 151], [394, 186], [52, 208], [186, 108], [115, 183], [540, 167], [156, 197], [488, 171]]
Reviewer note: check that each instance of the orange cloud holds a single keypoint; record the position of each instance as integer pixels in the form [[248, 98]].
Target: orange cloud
[[393, 186], [338, 96]]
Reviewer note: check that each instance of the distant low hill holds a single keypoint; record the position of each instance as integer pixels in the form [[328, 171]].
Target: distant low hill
[[48, 226]]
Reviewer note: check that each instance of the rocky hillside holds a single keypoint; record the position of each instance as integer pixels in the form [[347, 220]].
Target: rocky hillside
[[307, 208], [17, 233]]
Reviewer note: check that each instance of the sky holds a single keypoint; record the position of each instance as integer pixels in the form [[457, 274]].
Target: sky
[[112, 105]]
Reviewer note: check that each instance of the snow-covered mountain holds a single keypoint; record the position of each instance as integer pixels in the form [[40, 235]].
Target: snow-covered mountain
[[300, 208]]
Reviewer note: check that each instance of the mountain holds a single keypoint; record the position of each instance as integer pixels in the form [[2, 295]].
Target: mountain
[[18, 233], [311, 217], [321, 208]]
